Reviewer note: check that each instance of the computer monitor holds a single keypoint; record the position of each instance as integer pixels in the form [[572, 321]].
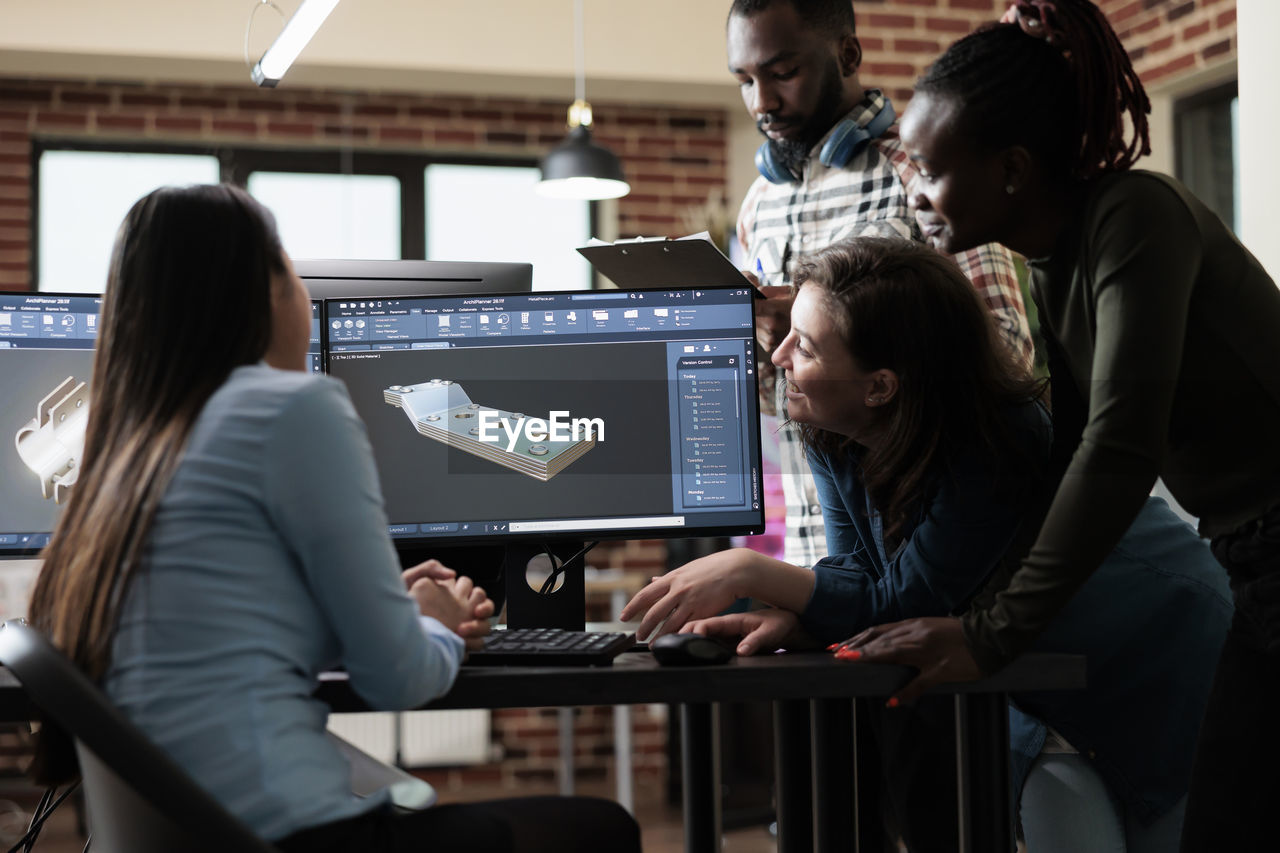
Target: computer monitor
[[46, 358], [647, 402], [336, 278]]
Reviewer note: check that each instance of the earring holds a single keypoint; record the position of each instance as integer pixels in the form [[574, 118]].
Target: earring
[[1010, 189]]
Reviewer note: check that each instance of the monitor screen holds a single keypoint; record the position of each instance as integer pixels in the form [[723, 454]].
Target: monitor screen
[[46, 357], [337, 278], [545, 416]]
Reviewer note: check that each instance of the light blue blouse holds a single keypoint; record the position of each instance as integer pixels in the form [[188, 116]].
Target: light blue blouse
[[268, 562]]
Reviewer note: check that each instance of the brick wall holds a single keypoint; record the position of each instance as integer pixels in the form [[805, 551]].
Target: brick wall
[[900, 37], [1169, 38], [1165, 38], [674, 158]]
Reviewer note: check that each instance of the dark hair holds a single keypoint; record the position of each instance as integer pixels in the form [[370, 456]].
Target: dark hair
[[1063, 94], [832, 17], [188, 299], [899, 305]]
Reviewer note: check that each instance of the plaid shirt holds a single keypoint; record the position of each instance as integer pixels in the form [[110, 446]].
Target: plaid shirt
[[868, 196]]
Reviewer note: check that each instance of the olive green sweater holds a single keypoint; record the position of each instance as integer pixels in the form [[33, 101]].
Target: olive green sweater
[[1164, 341]]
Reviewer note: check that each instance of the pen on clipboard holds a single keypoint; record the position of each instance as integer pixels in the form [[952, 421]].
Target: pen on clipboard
[[759, 294]]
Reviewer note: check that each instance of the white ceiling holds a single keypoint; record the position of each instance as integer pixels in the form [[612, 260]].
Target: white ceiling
[[661, 51]]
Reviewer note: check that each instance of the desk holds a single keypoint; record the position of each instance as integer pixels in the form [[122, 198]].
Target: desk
[[804, 687]]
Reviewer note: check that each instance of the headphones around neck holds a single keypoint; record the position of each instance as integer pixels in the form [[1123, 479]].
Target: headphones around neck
[[846, 140]]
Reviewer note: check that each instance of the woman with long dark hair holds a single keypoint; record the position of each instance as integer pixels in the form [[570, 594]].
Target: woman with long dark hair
[[932, 455], [1164, 357], [226, 542]]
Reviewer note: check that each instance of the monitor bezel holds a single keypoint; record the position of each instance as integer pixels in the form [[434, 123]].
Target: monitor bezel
[[425, 544]]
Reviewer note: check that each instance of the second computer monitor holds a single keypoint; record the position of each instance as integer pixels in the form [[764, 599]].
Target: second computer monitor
[[46, 361], [337, 278], [544, 416]]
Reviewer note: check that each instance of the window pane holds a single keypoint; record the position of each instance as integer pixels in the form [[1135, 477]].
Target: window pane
[[333, 216], [1206, 148], [84, 195], [491, 213]]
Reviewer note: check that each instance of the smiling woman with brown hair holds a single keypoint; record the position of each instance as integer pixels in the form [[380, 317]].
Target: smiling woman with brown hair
[[1164, 357]]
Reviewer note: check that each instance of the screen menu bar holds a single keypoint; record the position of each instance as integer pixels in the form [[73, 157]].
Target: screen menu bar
[[433, 323], [49, 320]]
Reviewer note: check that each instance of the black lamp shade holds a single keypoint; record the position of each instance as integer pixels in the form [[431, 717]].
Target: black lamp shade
[[579, 168]]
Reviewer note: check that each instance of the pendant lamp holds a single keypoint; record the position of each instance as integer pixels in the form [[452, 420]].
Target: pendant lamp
[[578, 168]]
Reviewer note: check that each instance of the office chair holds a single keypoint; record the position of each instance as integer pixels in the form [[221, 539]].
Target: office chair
[[138, 800]]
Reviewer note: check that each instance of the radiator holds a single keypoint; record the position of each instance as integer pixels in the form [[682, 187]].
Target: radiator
[[17, 577], [427, 738]]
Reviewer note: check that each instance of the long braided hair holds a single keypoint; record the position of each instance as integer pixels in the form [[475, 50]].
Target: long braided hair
[[1053, 77]]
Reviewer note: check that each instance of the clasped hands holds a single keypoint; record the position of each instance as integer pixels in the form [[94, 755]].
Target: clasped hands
[[456, 602], [689, 599]]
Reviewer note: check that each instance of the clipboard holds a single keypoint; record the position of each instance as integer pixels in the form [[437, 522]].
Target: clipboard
[[660, 263]]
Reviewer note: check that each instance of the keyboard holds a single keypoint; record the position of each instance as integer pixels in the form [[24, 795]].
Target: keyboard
[[551, 647]]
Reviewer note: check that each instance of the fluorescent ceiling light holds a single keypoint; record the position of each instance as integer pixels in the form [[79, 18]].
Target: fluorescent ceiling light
[[292, 39]]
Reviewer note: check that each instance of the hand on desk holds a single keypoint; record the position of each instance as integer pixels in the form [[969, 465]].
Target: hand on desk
[[456, 602], [935, 645], [708, 586], [761, 631]]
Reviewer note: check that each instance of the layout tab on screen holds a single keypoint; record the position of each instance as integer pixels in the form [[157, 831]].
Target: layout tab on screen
[[554, 415], [46, 357]]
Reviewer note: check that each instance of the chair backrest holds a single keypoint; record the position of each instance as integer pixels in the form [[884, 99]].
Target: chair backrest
[[138, 799]]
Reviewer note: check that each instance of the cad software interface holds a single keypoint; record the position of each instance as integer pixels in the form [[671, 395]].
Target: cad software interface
[[556, 413], [46, 356]]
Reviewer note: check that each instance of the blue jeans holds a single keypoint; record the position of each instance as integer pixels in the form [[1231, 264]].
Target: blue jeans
[[1067, 808]]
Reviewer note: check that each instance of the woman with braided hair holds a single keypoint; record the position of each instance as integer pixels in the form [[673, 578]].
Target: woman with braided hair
[[1164, 359]]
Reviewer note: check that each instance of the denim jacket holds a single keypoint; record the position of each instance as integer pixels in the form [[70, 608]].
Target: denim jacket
[[1150, 621]]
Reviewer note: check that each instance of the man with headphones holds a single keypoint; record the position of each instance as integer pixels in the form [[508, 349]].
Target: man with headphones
[[831, 168]]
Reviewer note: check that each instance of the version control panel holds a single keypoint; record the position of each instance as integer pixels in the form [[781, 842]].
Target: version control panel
[[712, 428]]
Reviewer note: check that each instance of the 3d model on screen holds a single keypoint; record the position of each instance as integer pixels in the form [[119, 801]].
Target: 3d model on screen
[[440, 409], [52, 443]]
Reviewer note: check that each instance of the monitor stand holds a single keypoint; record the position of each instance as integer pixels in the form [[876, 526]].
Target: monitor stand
[[562, 606], [503, 571]]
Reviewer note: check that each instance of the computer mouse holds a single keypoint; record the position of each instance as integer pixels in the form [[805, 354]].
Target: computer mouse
[[689, 650]]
